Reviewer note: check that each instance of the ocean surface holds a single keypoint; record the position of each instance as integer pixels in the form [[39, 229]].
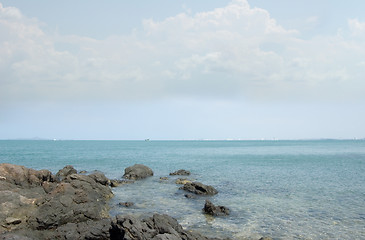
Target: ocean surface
[[282, 189]]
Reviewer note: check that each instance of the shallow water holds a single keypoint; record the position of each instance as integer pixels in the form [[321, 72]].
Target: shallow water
[[283, 189]]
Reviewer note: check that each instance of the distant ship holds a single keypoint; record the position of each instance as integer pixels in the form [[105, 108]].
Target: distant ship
[[147, 139]]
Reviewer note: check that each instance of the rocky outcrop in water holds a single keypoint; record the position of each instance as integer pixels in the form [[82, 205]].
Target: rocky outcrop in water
[[181, 172], [211, 209], [157, 227], [199, 188], [137, 171], [38, 205]]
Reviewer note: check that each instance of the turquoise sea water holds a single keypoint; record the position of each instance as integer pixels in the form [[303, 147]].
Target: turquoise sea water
[[282, 189]]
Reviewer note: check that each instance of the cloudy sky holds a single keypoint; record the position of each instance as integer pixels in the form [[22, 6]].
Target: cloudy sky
[[183, 69]]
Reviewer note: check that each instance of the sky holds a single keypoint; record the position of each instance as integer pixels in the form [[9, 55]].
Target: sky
[[183, 69]]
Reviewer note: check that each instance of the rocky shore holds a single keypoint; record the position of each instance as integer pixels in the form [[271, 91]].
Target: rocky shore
[[71, 205]]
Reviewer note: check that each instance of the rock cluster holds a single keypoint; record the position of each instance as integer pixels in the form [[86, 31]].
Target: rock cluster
[[38, 205]]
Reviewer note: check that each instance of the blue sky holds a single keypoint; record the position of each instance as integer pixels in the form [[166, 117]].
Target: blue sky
[[182, 69]]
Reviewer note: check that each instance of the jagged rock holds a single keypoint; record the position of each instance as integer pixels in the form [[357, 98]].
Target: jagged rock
[[22, 176], [182, 181], [157, 227], [199, 188], [181, 172], [137, 171], [64, 172], [85, 230], [211, 209], [100, 178]]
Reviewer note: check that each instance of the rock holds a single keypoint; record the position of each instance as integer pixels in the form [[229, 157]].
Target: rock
[[64, 172], [164, 178], [182, 181], [85, 230], [100, 178], [199, 188], [77, 199], [11, 236], [83, 172], [181, 172], [12, 220], [265, 238], [137, 171], [162, 227], [22, 176], [191, 196], [116, 183], [211, 209], [126, 204]]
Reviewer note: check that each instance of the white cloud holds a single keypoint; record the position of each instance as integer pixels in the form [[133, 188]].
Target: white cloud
[[235, 51], [357, 28]]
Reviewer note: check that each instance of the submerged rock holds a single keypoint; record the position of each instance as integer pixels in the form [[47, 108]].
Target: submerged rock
[[137, 171], [211, 209], [126, 204], [199, 188], [117, 182], [182, 172], [182, 181]]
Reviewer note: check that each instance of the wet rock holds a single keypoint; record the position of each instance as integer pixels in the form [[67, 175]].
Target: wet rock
[[164, 178], [211, 209], [82, 172], [182, 181], [137, 171], [64, 172], [116, 182], [190, 196], [265, 238], [181, 172], [126, 204], [199, 188]]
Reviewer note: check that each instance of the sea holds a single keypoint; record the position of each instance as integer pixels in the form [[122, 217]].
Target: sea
[[305, 189]]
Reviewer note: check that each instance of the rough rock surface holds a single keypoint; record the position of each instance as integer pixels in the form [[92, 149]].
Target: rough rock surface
[[64, 172], [157, 227], [137, 171], [211, 209], [181, 172], [36, 205], [199, 188]]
